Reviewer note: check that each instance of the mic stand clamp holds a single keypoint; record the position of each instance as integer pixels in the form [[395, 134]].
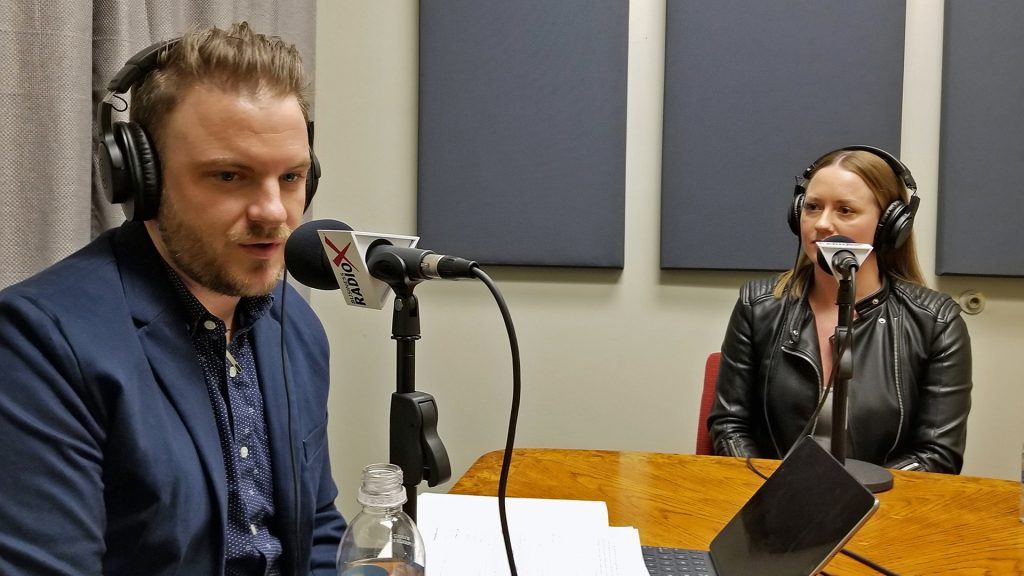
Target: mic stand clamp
[[875, 478], [415, 446]]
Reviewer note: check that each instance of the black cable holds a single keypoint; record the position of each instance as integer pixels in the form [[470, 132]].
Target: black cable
[[754, 469], [876, 567], [124, 103], [833, 373], [291, 436], [506, 460]]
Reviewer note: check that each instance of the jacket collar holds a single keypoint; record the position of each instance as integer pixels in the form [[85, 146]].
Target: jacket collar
[[800, 319], [869, 303]]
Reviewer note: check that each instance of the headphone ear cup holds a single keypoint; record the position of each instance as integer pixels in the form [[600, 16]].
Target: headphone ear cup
[[891, 225], [312, 178], [143, 172], [901, 229], [902, 223], [794, 213], [114, 172]]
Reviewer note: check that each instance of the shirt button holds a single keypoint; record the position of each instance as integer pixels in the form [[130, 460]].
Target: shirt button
[[210, 325], [232, 371], [252, 528], [243, 452]]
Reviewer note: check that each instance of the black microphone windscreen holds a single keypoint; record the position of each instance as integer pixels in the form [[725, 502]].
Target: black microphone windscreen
[[822, 262], [304, 255]]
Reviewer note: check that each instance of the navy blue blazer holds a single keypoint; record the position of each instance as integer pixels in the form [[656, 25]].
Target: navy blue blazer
[[110, 461]]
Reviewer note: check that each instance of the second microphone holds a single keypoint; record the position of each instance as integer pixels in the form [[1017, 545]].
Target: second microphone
[[310, 264]]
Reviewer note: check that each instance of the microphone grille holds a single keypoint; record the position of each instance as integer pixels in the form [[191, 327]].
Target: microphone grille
[[822, 261], [304, 255]]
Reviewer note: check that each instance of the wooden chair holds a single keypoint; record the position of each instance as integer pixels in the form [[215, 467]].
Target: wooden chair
[[707, 398]]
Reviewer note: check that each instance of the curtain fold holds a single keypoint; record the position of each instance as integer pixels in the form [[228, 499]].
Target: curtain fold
[[45, 121], [56, 57]]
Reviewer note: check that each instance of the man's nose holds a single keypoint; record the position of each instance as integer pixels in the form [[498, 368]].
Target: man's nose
[[268, 207]]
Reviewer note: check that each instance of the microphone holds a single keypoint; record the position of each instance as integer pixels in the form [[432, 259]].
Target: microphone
[[390, 263], [840, 255], [304, 255], [328, 254]]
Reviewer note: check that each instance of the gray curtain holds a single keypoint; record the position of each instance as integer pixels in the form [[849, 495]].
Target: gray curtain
[[56, 57]]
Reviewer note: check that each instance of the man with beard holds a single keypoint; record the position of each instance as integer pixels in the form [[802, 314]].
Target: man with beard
[[160, 413]]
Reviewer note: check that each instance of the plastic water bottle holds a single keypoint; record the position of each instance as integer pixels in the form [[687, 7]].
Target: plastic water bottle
[[381, 540]]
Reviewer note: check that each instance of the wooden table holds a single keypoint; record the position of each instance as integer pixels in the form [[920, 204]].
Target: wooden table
[[927, 524]]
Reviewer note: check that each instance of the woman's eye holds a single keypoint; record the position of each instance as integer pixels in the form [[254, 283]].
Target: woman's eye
[[810, 207], [291, 177]]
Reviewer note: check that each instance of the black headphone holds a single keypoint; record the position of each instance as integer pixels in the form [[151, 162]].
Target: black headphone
[[128, 159], [897, 219]]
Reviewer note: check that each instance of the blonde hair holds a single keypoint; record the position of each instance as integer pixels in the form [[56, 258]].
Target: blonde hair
[[900, 263], [235, 59]]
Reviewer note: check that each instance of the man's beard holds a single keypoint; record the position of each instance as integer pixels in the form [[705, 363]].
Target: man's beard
[[189, 251]]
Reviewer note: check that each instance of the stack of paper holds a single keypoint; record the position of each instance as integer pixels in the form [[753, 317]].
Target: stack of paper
[[549, 537]]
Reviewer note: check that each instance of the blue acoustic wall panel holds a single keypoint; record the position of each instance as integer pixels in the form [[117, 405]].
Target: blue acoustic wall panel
[[754, 92], [981, 159], [522, 130]]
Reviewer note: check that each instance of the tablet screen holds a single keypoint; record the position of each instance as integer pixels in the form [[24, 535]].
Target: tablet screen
[[799, 518]]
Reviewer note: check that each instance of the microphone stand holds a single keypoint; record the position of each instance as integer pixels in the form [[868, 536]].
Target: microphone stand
[[415, 446], [873, 477]]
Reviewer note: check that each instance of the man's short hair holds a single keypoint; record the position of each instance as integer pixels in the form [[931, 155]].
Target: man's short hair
[[235, 59]]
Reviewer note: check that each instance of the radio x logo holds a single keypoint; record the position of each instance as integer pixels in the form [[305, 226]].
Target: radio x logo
[[340, 254], [349, 281]]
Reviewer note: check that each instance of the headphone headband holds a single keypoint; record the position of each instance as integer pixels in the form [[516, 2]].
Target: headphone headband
[[898, 168], [136, 68], [139, 65]]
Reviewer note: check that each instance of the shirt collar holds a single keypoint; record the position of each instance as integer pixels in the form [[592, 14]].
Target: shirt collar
[[249, 310]]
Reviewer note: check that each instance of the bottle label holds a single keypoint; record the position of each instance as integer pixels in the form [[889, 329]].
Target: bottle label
[[381, 567]]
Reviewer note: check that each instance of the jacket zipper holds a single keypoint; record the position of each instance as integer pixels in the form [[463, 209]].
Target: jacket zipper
[[732, 447], [896, 374], [807, 357], [821, 387]]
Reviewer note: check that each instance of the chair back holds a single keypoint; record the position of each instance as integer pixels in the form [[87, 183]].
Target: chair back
[[707, 398]]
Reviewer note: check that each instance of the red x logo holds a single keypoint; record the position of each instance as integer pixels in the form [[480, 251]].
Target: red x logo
[[340, 254]]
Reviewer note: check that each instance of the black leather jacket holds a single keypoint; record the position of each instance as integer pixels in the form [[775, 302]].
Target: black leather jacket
[[908, 399]]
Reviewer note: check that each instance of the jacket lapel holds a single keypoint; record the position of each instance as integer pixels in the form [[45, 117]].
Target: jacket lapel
[[270, 371], [163, 333], [172, 358]]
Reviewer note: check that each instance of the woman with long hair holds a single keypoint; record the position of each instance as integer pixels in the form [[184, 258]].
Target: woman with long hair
[[911, 390]]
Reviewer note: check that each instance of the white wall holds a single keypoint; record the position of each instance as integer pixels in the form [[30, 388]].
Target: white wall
[[611, 360]]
